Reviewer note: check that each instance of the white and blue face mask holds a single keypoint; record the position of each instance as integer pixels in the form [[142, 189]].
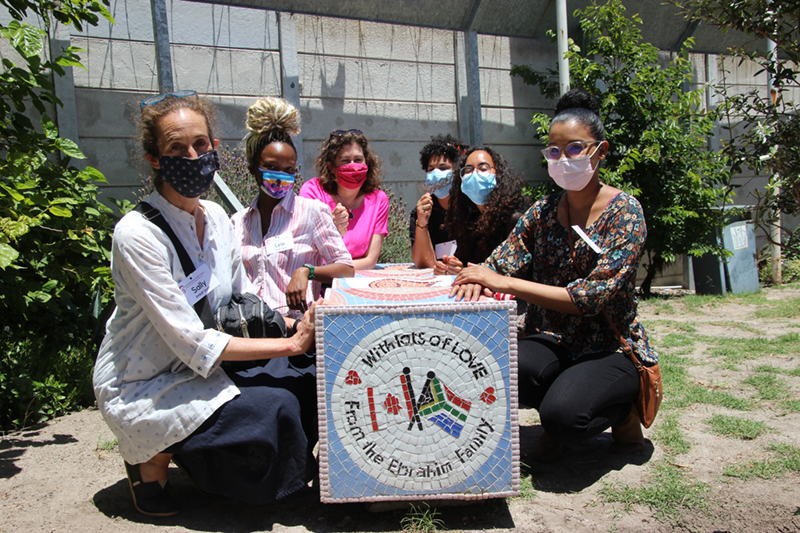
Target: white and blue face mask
[[438, 182], [478, 185], [275, 183]]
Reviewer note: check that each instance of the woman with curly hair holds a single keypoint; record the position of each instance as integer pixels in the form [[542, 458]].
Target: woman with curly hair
[[573, 257], [348, 183], [485, 203], [289, 244], [429, 240]]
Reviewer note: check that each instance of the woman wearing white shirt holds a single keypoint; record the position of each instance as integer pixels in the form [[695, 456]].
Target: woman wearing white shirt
[[157, 378]]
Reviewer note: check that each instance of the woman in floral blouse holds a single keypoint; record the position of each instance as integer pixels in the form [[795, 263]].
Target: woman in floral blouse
[[571, 366]]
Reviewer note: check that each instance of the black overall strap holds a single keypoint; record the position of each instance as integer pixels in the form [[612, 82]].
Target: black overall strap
[[150, 213]]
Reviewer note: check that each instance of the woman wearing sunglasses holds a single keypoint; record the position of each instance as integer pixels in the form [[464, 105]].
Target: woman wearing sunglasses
[[485, 203], [573, 257], [157, 379], [349, 177], [289, 244]]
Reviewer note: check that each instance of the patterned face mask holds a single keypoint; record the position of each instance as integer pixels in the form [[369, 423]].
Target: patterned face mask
[[275, 183], [189, 177], [438, 181]]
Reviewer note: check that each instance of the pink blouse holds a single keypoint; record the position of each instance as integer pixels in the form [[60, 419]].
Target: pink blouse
[[370, 218]]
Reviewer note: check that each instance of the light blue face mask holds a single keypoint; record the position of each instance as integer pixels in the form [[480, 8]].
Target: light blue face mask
[[438, 182], [478, 186]]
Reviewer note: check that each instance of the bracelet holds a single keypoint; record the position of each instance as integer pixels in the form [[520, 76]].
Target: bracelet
[[310, 271], [420, 225]]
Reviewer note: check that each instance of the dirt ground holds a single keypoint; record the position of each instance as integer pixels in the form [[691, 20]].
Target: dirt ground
[[58, 476]]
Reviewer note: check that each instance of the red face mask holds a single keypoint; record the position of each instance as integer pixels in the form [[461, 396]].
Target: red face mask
[[352, 175]]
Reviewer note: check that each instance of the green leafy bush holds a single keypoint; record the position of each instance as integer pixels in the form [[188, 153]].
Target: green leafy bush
[[54, 234]]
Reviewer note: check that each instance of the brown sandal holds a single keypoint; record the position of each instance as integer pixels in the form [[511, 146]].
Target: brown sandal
[[627, 435]]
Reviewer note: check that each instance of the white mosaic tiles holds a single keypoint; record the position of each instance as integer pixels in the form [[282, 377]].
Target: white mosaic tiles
[[417, 401]]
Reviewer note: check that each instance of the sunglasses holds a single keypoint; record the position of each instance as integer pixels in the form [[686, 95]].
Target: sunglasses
[[339, 133], [158, 98]]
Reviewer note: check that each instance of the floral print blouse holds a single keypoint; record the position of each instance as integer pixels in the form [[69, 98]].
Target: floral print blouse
[[538, 249]]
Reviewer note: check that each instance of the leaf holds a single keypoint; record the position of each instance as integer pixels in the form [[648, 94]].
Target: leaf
[[7, 255], [60, 211], [49, 127], [12, 193], [50, 285], [69, 148], [29, 40]]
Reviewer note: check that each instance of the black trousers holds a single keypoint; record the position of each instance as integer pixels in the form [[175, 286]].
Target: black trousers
[[576, 399]]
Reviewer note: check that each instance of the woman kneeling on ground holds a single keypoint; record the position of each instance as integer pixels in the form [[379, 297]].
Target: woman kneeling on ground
[[576, 253], [157, 380]]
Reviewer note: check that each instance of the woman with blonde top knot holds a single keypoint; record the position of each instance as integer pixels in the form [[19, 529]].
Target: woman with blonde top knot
[[349, 177], [158, 380], [289, 244]]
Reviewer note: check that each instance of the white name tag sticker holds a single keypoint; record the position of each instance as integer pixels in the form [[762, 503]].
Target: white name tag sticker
[[445, 248], [279, 243], [198, 283], [588, 239]]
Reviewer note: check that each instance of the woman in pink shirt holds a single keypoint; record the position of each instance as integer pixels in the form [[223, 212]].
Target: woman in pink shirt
[[348, 183], [289, 244]]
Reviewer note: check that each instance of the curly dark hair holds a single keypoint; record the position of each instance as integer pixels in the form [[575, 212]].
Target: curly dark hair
[[149, 127], [330, 149], [445, 145], [464, 221]]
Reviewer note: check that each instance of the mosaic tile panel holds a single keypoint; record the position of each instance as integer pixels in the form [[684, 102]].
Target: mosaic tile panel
[[399, 284], [417, 401]]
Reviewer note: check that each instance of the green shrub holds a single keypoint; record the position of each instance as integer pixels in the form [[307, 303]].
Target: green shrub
[[54, 234]]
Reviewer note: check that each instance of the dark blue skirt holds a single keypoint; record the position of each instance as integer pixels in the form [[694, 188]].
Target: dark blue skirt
[[257, 448]]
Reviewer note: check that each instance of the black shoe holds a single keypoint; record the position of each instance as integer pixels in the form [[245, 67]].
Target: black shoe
[[150, 498]]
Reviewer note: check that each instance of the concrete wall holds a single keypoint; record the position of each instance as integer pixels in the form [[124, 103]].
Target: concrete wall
[[399, 84]]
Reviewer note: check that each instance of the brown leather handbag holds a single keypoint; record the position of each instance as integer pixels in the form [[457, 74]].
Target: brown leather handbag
[[650, 390]]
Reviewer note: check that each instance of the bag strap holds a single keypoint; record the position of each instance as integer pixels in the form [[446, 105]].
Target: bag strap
[[626, 347], [151, 214]]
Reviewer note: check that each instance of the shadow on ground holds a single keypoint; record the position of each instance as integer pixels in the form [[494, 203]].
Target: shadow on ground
[[580, 467], [202, 512], [12, 448]]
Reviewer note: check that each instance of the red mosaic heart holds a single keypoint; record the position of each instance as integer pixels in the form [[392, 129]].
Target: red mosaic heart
[[352, 378], [488, 396], [392, 404]]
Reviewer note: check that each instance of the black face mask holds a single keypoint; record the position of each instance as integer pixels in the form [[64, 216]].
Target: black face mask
[[189, 177]]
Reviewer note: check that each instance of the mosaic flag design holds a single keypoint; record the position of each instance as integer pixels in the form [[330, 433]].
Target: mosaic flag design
[[442, 406]]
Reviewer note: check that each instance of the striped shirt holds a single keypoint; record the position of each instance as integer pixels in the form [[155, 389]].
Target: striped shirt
[[301, 232]]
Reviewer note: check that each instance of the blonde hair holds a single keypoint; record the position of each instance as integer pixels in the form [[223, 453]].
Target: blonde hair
[[269, 120]]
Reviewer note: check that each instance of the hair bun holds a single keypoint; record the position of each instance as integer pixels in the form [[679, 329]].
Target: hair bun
[[270, 114], [577, 99]]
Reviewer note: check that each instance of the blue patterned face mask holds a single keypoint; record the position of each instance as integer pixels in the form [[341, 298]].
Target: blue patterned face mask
[[438, 182], [478, 185], [189, 177], [275, 183]]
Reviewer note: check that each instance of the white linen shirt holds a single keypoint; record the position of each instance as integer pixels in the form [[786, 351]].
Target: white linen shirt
[[156, 377], [308, 225]]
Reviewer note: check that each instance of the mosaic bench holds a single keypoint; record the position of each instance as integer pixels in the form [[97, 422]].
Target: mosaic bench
[[417, 393]]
